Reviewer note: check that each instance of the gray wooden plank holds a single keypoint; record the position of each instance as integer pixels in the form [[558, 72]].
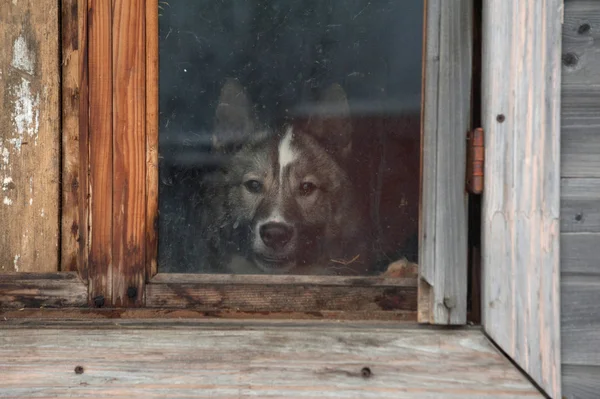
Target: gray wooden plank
[[258, 360], [448, 62], [581, 89], [580, 382], [521, 80], [580, 296], [580, 147], [581, 42], [580, 253], [580, 205]]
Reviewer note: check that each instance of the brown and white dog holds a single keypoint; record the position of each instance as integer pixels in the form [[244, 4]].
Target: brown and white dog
[[284, 202]]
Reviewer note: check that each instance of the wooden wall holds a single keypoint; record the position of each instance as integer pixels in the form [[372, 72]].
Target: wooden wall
[[580, 200], [29, 135]]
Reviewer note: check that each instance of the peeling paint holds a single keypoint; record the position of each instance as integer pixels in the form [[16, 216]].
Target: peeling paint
[[5, 156], [42, 212], [6, 183], [26, 114], [7, 201], [23, 59], [16, 262], [31, 191]]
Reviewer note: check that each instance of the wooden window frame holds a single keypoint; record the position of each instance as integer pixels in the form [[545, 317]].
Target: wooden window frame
[[110, 167]]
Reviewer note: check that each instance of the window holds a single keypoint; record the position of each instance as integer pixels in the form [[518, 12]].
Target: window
[[289, 136]]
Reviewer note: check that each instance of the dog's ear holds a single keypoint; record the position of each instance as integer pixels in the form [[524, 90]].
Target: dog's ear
[[331, 124], [234, 122]]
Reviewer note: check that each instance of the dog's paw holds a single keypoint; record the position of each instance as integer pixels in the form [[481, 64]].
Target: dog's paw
[[402, 268]]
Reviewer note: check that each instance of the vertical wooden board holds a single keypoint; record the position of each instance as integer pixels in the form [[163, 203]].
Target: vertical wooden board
[[520, 232], [101, 150], [447, 93], [74, 136], [129, 158], [29, 135], [151, 137]]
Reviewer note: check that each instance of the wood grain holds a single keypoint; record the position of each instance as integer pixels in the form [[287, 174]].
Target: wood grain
[[281, 293], [96, 316], [580, 382], [580, 319], [580, 199], [579, 253], [151, 137], [581, 90], [29, 136], [74, 137], [41, 290], [129, 157], [580, 205], [256, 360], [520, 214], [446, 121], [101, 150]]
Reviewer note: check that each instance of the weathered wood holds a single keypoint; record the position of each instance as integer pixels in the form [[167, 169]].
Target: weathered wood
[[446, 120], [29, 135], [580, 205], [101, 150], [151, 137], [580, 199], [580, 319], [259, 359], [74, 137], [281, 293], [97, 315], [580, 38], [38, 290], [520, 215], [580, 253], [129, 157], [259, 279], [581, 87], [580, 382], [581, 145]]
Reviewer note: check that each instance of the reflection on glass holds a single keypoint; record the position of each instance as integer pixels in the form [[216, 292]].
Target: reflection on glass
[[289, 136]]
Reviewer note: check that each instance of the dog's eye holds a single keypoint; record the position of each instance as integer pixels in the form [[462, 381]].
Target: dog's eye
[[307, 188], [254, 186]]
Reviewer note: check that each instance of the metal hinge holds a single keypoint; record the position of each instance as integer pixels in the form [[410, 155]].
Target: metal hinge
[[475, 161]]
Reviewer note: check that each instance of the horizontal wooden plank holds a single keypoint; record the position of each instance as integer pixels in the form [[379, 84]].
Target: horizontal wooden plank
[[37, 290], [580, 205], [580, 146], [581, 42], [258, 360], [579, 106], [580, 382], [127, 314], [285, 294], [580, 99], [579, 253], [229, 279], [580, 296]]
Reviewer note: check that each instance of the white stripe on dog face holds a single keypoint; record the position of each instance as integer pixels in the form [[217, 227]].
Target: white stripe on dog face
[[287, 155]]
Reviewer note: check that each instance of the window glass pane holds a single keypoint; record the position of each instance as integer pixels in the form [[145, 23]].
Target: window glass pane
[[289, 137]]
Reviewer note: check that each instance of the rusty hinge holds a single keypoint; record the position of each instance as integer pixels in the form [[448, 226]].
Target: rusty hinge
[[475, 161]]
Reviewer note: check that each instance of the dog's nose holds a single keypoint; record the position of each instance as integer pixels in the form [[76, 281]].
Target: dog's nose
[[275, 235]]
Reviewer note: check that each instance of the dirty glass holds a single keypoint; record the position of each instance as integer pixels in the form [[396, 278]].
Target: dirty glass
[[289, 137]]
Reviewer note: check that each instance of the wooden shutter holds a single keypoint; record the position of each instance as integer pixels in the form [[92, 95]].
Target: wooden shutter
[[521, 118]]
